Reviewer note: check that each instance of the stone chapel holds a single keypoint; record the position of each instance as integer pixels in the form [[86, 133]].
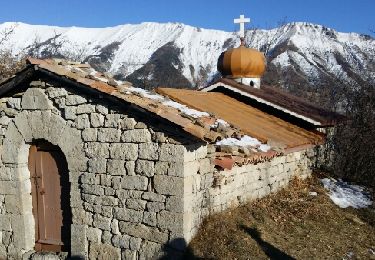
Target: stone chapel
[[94, 168]]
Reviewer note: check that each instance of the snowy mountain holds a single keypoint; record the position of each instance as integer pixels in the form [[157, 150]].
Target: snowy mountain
[[178, 55]]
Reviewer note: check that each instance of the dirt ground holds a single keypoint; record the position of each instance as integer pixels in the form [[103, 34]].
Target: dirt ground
[[291, 224]]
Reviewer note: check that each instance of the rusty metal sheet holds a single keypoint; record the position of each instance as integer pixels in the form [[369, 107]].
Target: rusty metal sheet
[[250, 120]]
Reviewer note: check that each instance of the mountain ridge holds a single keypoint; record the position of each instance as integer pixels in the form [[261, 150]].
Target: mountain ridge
[[312, 53]]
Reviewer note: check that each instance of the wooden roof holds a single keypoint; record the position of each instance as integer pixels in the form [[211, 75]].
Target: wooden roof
[[252, 121], [282, 101]]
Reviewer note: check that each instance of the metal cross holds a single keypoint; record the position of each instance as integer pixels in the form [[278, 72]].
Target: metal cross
[[242, 20]]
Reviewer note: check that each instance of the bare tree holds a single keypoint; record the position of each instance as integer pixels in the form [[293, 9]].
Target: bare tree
[[9, 63]]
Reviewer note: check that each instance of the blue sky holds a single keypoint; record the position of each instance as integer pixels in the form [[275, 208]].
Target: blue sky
[[342, 15]]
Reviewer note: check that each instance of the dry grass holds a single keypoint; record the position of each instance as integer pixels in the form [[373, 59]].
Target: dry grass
[[291, 224]]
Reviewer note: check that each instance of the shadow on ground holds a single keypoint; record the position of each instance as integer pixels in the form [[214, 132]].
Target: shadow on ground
[[271, 251]]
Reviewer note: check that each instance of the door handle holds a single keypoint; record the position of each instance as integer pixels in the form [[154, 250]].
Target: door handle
[[42, 191]]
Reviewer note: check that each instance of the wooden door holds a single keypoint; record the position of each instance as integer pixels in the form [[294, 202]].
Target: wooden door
[[46, 170]]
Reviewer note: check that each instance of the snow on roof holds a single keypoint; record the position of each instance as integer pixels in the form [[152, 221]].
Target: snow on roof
[[245, 141], [185, 110], [346, 195]]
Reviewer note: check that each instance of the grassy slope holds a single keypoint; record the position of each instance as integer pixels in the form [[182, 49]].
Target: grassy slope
[[289, 224]]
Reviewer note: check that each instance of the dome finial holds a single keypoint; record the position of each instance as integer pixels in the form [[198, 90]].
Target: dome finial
[[243, 65]]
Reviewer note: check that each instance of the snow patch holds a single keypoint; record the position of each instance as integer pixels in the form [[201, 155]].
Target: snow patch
[[185, 110], [245, 141], [145, 93], [346, 195], [218, 123]]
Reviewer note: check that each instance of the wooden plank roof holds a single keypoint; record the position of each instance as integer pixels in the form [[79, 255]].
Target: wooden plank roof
[[252, 121]]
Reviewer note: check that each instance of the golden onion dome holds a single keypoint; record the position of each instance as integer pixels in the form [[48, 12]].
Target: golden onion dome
[[242, 62]]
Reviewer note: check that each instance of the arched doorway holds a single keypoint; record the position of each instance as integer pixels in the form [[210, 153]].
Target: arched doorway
[[50, 191]]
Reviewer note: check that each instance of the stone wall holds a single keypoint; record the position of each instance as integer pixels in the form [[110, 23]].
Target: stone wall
[[213, 190], [126, 176]]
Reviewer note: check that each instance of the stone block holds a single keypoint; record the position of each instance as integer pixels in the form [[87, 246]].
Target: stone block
[[116, 182], [97, 165], [135, 243], [136, 136], [121, 241], [102, 222], [23, 231], [153, 206], [56, 92], [105, 180], [148, 151], [112, 120], [149, 218], [22, 124], [90, 178], [130, 168], [129, 255], [142, 231], [82, 121], [97, 120], [177, 168], [124, 151], [145, 168], [205, 166], [109, 191], [127, 123], [168, 185], [129, 215], [104, 252], [92, 189], [151, 196], [96, 149], [151, 250], [171, 153], [57, 126], [175, 204], [161, 168], [4, 120], [111, 135], [107, 238], [101, 109], [158, 137], [108, 201], [94, 234], [134, 182], [116, 167], [35, 99], [14, 103], [73, 100], [202, 151], [5, 223], [75, 157], [278, 160], [85, 109], [126, 194], [140, 125], [171, 221], [15, 204], [9, 187], [90, 135], [190, 168], [136, 204], [114, 227]]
